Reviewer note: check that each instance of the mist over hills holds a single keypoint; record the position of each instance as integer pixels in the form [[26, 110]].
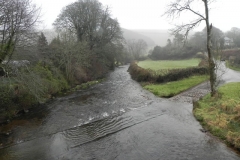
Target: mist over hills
[[160, 37], [130, 35], [151, 37]]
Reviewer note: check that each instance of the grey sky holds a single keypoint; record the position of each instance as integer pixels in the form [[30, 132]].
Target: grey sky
[[146, 14]]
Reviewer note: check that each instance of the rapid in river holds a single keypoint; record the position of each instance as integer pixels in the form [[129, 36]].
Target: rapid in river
[[113, 120]]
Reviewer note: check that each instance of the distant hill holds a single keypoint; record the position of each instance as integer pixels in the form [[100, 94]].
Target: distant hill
[[160, 37], [129, 34], [151, 37]]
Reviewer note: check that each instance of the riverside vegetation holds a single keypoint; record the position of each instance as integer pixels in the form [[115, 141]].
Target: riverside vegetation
[[34, 70], [89, 44], [156, 76], [221, 114]]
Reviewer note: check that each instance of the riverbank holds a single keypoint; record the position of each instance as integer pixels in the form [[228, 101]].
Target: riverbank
[[220, 115], [116, 119], [158, 78], [13, 112]]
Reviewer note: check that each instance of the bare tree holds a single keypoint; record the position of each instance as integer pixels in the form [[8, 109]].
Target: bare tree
[[175, 9], [68, 54], [234, 35], [17, 20], [136, 48]]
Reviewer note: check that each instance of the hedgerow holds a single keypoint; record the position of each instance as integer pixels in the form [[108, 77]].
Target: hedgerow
[[146, 75]]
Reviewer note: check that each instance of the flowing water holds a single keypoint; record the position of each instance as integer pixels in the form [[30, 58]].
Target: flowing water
[[116, 119]]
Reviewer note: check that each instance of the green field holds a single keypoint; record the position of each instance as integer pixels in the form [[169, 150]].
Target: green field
[[221, 114], [164, 67], [167, 64], [171, 89]]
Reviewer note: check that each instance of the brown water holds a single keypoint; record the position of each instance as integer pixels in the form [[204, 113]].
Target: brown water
[[116, 119]]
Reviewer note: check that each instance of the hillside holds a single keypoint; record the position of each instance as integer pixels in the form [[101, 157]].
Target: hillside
[[158, 36], [151, 37], [129, 34]]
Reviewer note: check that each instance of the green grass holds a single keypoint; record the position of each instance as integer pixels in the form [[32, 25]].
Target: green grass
[[232, 67], [167, 64], [221, 114], [173, 88]]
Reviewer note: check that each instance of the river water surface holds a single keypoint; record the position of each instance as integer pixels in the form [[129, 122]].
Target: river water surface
[[115, 119]]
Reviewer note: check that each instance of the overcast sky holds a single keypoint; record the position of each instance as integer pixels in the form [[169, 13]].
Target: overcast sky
[[146, 14]]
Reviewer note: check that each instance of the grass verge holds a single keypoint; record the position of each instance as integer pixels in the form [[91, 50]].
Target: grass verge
[[171, 89], [232, 67], [221, 114], [159, 65]]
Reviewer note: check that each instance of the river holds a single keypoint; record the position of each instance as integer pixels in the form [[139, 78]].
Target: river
[[115, 119]]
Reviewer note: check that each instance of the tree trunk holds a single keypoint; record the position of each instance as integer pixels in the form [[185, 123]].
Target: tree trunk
[[209, 49]]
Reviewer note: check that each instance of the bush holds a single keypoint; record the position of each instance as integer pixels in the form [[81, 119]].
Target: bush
[[12, 99], [139, 74], [142, 75], [203, 63], [6, 95], [29, 87], [51, 78], [178, 74], [230, 52]]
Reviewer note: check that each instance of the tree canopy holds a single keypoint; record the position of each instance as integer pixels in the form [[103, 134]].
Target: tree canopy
[[17, 21], [90, 21]]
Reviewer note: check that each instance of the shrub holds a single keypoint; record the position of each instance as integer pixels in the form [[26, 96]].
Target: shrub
[[230, 52], [28, 87], [139, 74], [6, 95], [178, 74], [51, 79], [146, 75], [203, 63]]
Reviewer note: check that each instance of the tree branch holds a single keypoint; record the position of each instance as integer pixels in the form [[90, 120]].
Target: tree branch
[[186, 28]]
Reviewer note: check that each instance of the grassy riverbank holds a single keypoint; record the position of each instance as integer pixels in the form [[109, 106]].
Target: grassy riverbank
[[169, 78], [171, 89], [221, 114]]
